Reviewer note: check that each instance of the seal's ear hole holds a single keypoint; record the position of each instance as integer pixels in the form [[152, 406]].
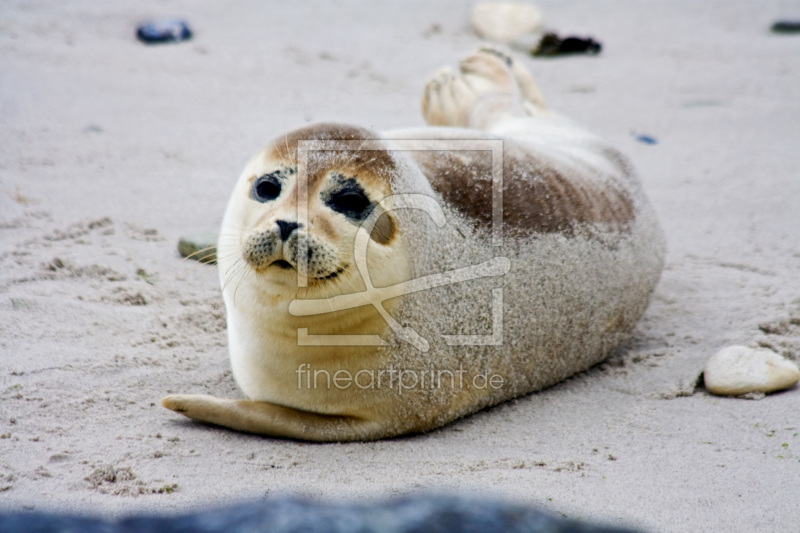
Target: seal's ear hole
[[384, 230]]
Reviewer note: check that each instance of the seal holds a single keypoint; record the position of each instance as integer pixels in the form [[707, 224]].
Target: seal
[[384, 284]]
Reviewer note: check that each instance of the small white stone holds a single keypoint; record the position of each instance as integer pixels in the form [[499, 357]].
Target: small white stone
[[504, 21], [740, 370]]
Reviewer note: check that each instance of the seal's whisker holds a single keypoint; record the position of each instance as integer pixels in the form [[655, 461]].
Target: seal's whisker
[[228, 251], [201, 261], [240, 276], [202, 250], [237, 274], [244, 273], [238, 266], [227, 258], [235, 263], [193, 265], [206, 258], [286, 144]]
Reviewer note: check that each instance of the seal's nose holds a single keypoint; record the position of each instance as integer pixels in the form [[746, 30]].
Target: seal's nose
[[287, 228]]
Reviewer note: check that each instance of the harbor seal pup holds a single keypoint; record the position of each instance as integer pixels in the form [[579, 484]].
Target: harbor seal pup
[[383, 284]]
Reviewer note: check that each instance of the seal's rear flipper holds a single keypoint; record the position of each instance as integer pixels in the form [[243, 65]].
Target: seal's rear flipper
[[489, 87], [273, 420]]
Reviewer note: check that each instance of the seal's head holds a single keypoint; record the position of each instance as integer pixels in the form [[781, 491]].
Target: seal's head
[[298, 206]]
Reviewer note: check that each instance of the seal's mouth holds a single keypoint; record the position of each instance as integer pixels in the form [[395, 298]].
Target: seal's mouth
[[280, 263], [286, 265], [332, 275]]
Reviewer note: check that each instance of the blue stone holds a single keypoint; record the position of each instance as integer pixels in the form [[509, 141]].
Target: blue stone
[[163, 31], [646, 139]]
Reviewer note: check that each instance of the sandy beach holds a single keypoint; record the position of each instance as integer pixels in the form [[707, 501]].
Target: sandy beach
[[110, 150]]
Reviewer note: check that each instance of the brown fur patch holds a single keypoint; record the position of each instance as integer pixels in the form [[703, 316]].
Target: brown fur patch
[[384, 230], [379, 163], [537, 198]]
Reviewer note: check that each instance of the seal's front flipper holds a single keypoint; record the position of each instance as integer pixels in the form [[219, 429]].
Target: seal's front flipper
[[273, 420]]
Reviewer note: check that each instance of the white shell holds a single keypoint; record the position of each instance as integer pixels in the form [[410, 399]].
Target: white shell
[[740, 370], [504, 21]]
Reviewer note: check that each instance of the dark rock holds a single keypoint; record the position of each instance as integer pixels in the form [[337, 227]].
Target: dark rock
[[415, 514], [786, 26], [553, 45]]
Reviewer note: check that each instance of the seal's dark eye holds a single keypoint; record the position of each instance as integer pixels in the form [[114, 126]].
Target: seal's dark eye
[[266, 188], [351, 203]]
